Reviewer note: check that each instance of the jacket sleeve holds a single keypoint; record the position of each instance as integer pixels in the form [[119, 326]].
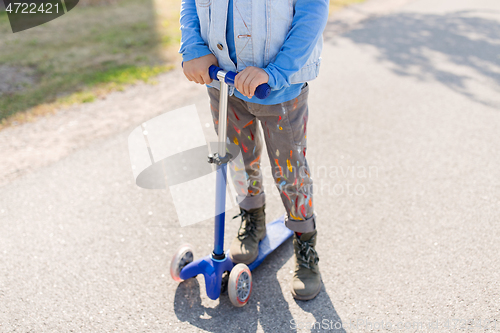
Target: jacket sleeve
[[192, 45], [308, 23]]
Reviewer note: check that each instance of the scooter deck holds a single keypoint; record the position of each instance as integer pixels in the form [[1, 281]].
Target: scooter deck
[[212, 269], [276, 234]]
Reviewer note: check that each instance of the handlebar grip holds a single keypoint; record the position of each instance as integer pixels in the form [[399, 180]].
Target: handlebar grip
[[212, 71], [261, 92]]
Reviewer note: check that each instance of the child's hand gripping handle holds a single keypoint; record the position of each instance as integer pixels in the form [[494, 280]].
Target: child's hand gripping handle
[[261, 92]]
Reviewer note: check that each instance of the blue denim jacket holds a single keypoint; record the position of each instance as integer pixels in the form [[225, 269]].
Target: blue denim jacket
[[284, 37]]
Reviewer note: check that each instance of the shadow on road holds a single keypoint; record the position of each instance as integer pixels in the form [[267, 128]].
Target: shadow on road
[[460, 50], [266, 307], [325, 316]]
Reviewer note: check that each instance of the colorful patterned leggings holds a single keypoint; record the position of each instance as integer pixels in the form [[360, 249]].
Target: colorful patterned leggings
[[284, 126]]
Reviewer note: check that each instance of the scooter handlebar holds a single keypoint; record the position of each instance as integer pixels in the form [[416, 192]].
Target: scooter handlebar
[[261, 92]]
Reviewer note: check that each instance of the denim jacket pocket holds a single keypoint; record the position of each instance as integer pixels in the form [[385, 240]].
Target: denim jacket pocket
[[203, 3]]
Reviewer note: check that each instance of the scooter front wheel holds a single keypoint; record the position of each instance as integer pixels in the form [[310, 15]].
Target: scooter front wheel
[[240, 285], [182, 257]]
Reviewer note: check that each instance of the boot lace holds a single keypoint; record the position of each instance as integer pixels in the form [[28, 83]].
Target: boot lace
[[307, 255], [248, 226]]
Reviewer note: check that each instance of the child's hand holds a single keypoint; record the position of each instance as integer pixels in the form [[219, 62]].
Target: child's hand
[[249, 79], [197, 69]]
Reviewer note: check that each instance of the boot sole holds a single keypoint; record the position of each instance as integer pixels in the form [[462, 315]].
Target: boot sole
[[251, 260], [306, 297]]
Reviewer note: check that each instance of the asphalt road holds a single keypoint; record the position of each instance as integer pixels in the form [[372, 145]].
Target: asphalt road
[[404, 144]]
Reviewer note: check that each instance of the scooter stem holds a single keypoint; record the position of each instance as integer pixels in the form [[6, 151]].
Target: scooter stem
[[222, 114], [221, 177], [261, 92]]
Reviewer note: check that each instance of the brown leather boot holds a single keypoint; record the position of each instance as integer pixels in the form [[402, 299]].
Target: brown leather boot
[[245, 246], [306, 282]]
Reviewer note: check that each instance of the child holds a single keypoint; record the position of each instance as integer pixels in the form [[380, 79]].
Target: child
[[277, 42]]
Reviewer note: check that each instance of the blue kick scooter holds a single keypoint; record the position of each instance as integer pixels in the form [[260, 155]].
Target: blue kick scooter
[[217, 268]]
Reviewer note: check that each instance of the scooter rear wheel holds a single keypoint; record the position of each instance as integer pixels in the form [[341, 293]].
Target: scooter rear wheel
[[182, 257], [240, 285]]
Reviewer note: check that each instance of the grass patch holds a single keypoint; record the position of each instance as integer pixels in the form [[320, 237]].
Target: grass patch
[[89, 51], [126, 74], [336, 5], [99, 85]]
